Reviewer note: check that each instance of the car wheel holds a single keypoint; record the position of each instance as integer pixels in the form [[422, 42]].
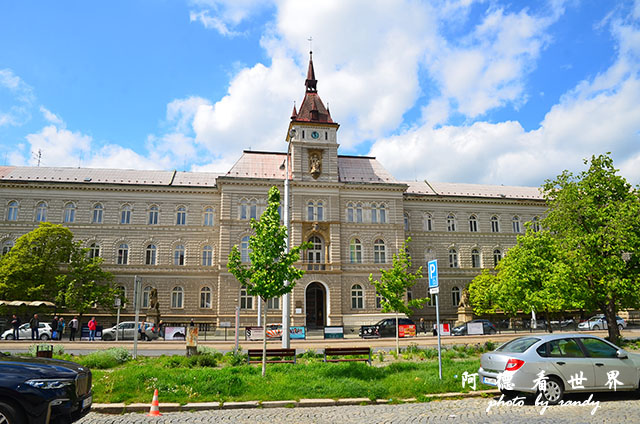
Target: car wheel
[[492, 331], [107, 338], [9, 415], [9, 337], [620, 327], [553, 392], [44, 337], [596, 327]]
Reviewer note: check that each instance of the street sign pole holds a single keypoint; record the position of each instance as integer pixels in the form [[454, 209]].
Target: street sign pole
[[434, 288]]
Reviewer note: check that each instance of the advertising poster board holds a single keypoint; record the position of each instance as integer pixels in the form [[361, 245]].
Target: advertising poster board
[[175, 333], [407, 330], [192, 337], [334, 332], [445, 329], [84, 332], [253, 333], [474, 328], [297, 333]]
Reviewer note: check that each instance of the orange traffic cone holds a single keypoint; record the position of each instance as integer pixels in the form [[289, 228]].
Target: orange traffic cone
[[155, 406]]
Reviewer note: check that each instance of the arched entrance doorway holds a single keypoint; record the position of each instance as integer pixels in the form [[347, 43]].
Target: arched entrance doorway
[[315, 305]]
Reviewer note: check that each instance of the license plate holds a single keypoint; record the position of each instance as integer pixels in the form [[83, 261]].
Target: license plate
[[87, 402], [490, 381]]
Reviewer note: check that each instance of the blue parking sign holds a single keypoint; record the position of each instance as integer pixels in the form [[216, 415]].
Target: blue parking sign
[[432, 267]]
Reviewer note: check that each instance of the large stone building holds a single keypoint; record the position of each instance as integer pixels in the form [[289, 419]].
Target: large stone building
[[175, 229]]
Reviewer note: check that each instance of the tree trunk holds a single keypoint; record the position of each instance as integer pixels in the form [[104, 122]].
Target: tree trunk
[[397, 336], [612, 322], [546, 315], [264, 338]]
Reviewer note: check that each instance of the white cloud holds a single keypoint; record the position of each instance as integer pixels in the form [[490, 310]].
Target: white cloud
[[59, 146], [225, 15], [51, 117], [20, 97]]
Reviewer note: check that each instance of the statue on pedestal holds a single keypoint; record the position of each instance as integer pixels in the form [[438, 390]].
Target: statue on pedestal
[[153, 315], [465, 311]]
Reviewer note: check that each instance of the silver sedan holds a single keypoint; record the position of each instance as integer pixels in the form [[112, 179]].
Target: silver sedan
[[550, 365]]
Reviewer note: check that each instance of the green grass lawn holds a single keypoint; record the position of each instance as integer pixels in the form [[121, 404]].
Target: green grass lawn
[[136, 380]]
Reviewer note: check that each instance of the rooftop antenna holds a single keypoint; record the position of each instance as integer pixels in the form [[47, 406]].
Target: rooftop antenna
[[39, 156]]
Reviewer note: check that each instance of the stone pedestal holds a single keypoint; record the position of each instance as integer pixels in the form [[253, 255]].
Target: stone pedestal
[[465, 314]]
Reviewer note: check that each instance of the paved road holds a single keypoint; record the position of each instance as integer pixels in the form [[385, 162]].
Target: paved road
[[619, 409]]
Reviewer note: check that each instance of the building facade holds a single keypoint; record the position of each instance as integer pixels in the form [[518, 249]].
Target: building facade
[[175, 230]]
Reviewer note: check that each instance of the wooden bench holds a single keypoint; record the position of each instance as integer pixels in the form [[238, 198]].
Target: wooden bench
[[345, 351], [272, 353]]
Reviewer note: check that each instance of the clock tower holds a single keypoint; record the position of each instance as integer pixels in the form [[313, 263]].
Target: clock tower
[[313, 136]]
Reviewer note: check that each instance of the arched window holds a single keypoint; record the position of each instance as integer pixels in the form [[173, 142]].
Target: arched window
[[495, 224], [123, 254], [358, 212], [177, 297], [181, 216], [515, 221], [350, 212], [125, 214], [406, 222], [315, 254], [208, 217], [378, 213], [246, 301], [12, 211], [94, 250], [69, 213], [98, 212], [178, 255], [355, 251], [151, 255], [379, 252], [427, 223], [473, 224], [205, 297], [497, 256], [453, 258], [535, 224], [146, 296], [154, 214], [253, 209], [357, 297], [244, 249], [451, 222], [7, 246], [475, 258], [41, 212], [207, 256], [244, 209], [455, 296]]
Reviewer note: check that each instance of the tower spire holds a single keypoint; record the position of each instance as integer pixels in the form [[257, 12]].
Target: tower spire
[[311, 82]]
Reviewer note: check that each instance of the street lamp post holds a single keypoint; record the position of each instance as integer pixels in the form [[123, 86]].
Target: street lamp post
[[286, 301]]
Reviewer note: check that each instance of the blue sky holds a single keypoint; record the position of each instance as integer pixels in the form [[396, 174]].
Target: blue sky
[[459, 91]]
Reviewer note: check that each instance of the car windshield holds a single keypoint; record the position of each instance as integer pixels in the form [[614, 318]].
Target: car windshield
[[518, 345]]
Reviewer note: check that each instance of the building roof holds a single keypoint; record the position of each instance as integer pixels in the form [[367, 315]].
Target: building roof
[[473, 190], [108, 176], [312, 109], [363, 169], [254, 164]]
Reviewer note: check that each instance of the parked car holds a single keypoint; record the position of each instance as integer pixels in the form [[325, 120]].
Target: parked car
[[126, 331], [39, 390], [487, 327], [44, 332], [599, 322], [387, 328], [561, 357]]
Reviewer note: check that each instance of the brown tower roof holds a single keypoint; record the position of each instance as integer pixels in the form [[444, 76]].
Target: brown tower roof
[[312, 109]]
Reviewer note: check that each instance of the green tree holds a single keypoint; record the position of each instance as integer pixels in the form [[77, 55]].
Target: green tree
[[85, 284], [534, 276], [595, 218], [29, 271], [270, 265], [483, 293], [393, 285]]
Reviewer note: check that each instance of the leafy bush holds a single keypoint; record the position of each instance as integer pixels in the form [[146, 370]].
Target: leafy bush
[[236, 358], [489, 346], [104, 359], [206, 350], [310, 354], [204, 360]]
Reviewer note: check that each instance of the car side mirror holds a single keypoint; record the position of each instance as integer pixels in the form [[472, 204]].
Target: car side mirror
[[621, 354]]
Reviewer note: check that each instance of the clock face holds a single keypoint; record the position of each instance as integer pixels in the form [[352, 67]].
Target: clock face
[[315, 134]]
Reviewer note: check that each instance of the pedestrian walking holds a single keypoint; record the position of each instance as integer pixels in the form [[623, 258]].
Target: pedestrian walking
[[192, 324], [142, 331], [73, 328], [92, 329], [54, 328], [15, 323], [61, 327], [34, 323], [422, 326]]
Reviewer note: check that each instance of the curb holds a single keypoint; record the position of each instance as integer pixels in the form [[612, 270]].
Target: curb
[[121, 408]]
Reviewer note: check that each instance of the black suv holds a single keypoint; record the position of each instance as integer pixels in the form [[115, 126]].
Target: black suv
[[384, 328], [41, 391]]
